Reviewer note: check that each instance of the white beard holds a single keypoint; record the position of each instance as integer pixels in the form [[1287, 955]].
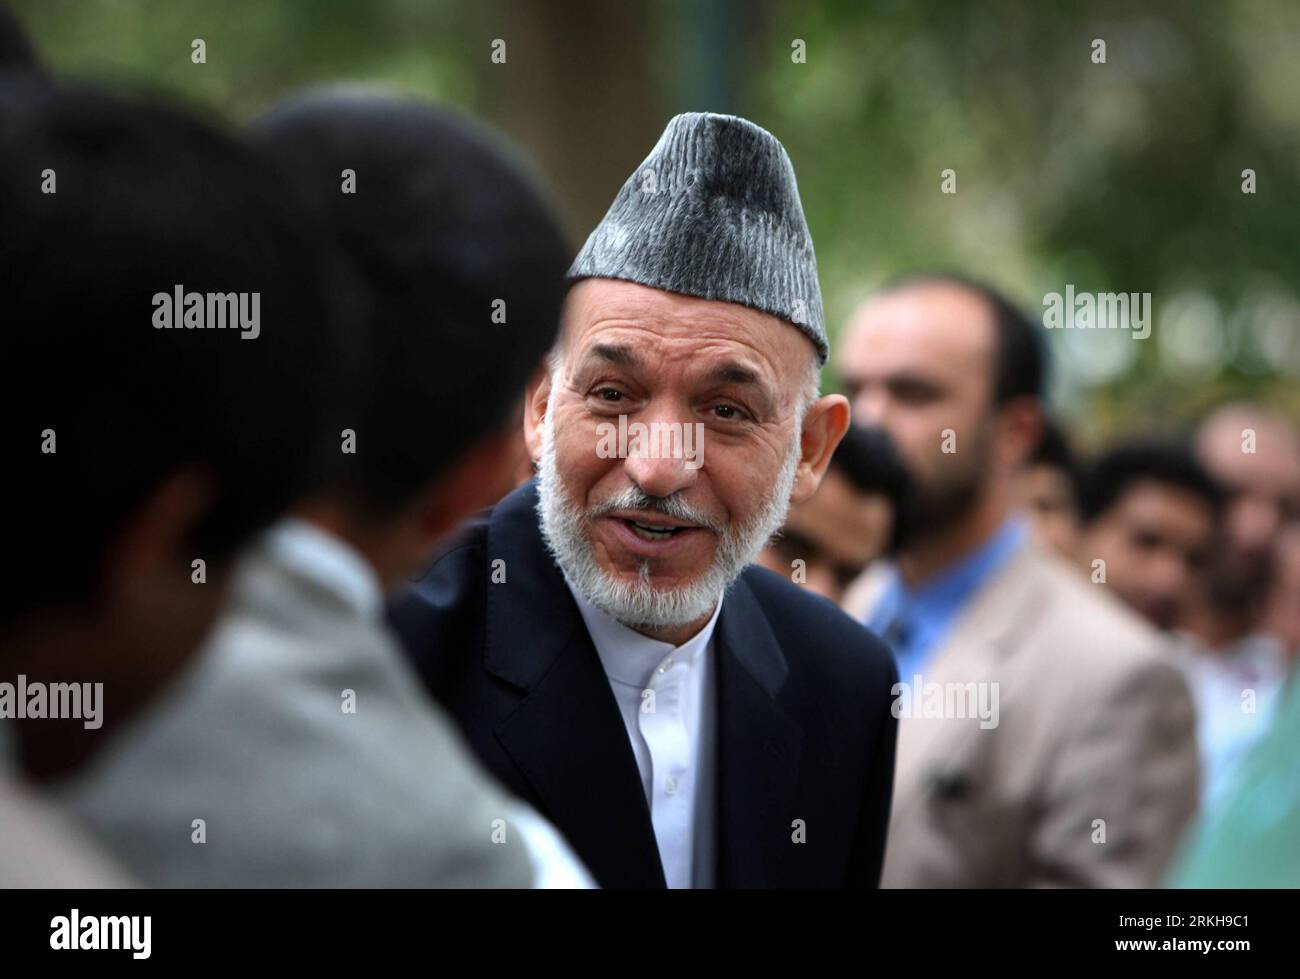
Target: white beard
[[566, 528]]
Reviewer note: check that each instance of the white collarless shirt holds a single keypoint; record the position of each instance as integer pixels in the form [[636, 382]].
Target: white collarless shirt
[[666, 696]]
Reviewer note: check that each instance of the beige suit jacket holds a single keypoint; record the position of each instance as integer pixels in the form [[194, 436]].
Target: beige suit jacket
[[1089, 775]]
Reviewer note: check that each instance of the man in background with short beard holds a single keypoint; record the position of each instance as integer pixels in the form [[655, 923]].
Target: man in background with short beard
[[580, 632], [1087, 773]]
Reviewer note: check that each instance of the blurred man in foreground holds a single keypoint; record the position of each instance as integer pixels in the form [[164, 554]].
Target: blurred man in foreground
[[1044, 739], [849, 522], [134, 474], [301, 741]]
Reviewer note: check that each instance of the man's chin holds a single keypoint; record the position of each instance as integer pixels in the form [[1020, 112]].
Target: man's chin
[[662, 580]]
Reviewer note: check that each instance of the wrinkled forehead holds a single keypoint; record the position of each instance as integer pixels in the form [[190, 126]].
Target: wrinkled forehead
[[663, 332]]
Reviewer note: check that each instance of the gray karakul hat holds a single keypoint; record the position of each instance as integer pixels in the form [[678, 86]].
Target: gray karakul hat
[[713, 212]]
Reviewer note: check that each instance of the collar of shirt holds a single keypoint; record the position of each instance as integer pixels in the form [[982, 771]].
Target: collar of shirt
[[327, 562], [930, 609], [628, 656]]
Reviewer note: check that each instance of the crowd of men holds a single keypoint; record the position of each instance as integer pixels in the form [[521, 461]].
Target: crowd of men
[[1136, 610], [892, 636]]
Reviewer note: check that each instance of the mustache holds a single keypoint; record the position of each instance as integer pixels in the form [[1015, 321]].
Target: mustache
[[633, 498]]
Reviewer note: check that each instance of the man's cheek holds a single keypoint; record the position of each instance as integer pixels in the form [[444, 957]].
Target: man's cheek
[[579, 441], [580, 464], [919, 446]]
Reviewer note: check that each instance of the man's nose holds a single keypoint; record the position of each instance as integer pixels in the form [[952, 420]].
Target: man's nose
[[658, 464], [658, 476]]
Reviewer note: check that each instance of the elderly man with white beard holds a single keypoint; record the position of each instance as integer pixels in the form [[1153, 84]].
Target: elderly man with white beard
[[684, 718]]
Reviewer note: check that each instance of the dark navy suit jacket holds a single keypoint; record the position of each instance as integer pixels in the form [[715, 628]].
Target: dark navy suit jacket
[[804, 728]]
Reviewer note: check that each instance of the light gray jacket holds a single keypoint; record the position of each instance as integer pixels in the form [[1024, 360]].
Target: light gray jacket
[[252, 772]]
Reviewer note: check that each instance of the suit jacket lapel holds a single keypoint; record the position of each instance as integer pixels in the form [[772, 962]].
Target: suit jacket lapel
[[567, 734], [977, 642], [758, 747]]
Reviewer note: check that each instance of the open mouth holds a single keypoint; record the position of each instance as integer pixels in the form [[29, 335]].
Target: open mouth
[[653, 528], [648, 532]]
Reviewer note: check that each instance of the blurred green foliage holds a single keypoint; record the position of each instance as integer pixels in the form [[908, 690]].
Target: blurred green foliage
[[1122, 176]]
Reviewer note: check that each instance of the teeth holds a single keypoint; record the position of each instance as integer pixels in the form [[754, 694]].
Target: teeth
[[652, 533]]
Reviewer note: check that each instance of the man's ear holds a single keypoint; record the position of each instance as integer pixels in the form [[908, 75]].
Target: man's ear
[[824, 424], [151, 547], [536, 399], [1020, 423]]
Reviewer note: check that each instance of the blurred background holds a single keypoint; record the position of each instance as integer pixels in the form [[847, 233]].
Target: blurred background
[[1117, 177]]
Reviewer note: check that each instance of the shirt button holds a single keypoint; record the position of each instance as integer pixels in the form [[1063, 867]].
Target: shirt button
[[666, 667], [670, 786]]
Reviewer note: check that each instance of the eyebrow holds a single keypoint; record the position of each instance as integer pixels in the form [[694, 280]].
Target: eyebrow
[[727, 372], [734, 373], [902, 378], [615, 353]]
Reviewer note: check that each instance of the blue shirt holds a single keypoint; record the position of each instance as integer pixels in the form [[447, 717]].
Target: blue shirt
[[915, 622]]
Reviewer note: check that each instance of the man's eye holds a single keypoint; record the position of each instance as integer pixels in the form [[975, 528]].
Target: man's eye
[[609, 394], [915, 395], [1146, 541], [727, 413]]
